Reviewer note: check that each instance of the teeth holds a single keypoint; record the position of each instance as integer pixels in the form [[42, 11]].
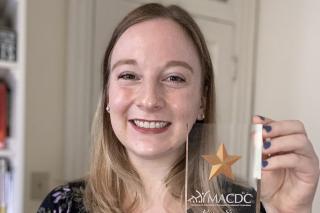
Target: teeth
[[152, 124], [145, 124]]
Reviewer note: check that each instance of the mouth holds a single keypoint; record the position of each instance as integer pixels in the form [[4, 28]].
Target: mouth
[[150, 126]]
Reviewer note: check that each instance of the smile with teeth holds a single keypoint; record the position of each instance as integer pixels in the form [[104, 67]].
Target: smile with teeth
[[151, 124]]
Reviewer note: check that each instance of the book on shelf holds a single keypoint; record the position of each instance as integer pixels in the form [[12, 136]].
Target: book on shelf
[[8, 47], [4, 114], [7, 13], [8, 36], [5, 185]]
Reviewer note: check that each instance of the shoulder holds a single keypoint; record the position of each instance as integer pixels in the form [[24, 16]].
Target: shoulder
[[66, 198]]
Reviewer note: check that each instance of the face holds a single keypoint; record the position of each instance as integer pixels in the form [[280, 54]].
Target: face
[[154, 88]]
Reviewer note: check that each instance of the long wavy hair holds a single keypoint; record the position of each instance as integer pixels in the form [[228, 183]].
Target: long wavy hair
[[112, 177]]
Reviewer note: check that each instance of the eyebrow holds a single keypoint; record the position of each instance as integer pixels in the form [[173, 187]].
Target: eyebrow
[[178, 63], [124, 61], [172, 63]]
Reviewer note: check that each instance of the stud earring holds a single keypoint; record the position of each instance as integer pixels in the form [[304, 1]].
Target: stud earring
[[201, 117], [108, 109]]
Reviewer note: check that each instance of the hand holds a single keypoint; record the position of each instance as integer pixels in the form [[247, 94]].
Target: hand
[[290, 167]]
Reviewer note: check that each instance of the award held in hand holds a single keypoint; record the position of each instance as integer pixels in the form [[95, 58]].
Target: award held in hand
[[220, 180]]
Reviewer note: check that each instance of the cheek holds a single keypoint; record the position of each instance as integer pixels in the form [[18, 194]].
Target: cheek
[[119, 102], [186, 106], [119, 99]]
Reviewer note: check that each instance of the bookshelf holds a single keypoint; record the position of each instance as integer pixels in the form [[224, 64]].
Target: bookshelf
[[13, 73]]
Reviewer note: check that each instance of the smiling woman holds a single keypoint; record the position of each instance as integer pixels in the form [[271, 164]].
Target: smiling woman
[[157, 85], [151, 78], [154, 89]]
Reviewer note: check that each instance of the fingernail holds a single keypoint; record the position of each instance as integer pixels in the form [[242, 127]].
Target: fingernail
[[264, 163], [267, 128], [261, 117], [266, 144]]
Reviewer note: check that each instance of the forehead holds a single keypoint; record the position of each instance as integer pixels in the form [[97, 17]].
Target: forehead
[[161, 38]]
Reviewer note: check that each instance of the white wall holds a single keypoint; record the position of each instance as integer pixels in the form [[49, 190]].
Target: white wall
[[288, 68], [46, 67]]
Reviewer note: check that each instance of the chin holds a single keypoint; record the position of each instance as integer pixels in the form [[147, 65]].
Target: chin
[[157, 153]]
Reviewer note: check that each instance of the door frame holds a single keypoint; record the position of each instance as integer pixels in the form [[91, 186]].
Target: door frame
[[78, 87], [78, 79]]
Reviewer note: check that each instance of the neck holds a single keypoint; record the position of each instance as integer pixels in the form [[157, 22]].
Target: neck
[[153, 170]]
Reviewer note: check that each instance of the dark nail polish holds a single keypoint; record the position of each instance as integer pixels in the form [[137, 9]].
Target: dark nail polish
[[266, 144], [267, 128], [264, 163], [261, 117]]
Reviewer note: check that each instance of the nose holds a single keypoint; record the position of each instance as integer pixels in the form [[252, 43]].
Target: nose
[[150, 97]]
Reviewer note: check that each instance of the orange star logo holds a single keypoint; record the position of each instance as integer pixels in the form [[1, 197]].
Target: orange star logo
[[221, 162]]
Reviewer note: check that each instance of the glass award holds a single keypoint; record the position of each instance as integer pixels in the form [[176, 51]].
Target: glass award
[[223, 172]]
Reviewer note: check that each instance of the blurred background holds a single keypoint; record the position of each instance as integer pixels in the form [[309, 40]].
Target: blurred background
[[265, 54]]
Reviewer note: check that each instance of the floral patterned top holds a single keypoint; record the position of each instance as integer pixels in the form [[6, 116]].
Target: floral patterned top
[[65, 199], [69, 199]]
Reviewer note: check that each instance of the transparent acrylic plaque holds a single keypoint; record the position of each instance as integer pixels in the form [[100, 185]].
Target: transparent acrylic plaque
[[223, 168]]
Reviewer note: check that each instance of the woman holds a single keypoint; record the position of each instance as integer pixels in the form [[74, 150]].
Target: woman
[[155, 61]]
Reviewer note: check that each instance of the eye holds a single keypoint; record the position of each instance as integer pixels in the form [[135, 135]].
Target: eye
[[128, 76], [175, 79]]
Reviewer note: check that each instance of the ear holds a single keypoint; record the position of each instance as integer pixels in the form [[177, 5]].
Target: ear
[[202, 108]]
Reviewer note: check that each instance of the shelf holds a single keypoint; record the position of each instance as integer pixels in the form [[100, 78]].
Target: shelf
[[5, 153], [8, 65]]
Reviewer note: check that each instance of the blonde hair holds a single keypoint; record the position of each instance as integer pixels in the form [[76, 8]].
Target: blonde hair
[[111, 175]]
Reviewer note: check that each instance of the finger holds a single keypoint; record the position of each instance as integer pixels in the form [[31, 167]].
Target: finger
[[282, 128], [297, 143], [259, 119], [294, 161]]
